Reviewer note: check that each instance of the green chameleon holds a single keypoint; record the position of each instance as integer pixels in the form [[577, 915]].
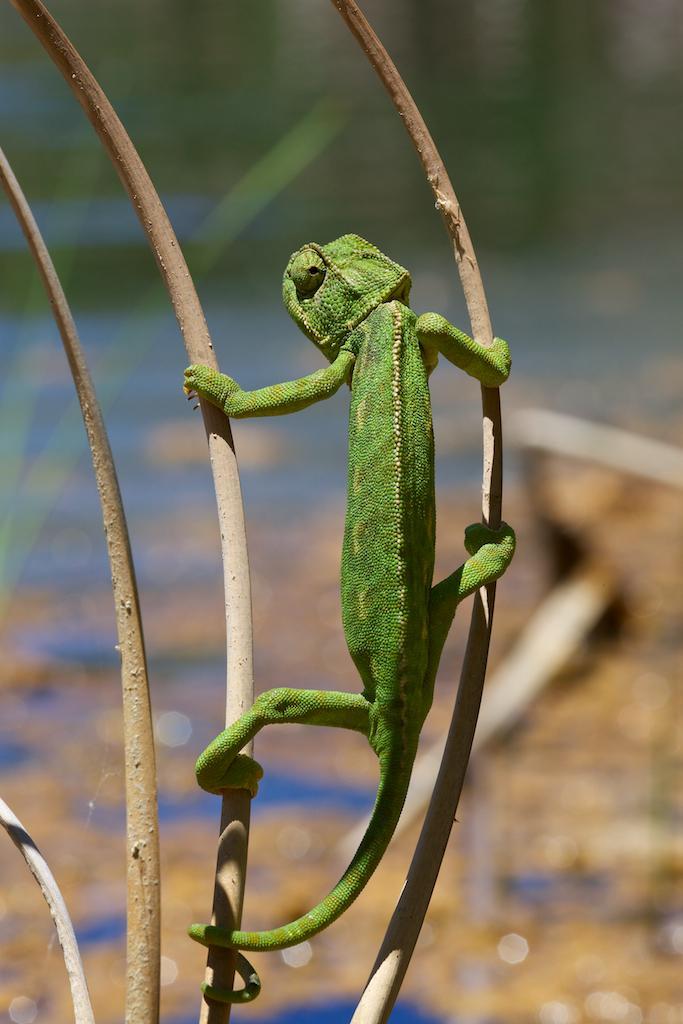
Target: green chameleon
[[352, 302]]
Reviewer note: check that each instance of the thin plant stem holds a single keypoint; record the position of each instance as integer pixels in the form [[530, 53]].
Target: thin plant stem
[[144, 909], [40, 870], [232, 847], [399, 942]]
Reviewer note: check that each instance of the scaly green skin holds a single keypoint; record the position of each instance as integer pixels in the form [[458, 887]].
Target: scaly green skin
[[352, 302]]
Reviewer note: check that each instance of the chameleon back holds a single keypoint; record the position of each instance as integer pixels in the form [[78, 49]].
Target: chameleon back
[[388, 551]]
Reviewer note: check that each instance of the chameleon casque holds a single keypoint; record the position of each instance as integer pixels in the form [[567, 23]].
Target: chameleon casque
[[352, 302]]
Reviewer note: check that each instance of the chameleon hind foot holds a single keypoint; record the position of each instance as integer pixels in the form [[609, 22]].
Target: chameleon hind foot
[[221, 766], [491, 552], [252, 982], [478, 535], [243, 772]]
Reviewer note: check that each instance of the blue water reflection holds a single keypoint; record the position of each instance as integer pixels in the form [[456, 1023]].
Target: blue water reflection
[[12, 753], [333, 1012], [277, 789], [108, 928]]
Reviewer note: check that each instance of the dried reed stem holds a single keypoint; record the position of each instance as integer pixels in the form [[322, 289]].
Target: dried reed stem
[[232, 850], [399, 942], [144, 911], [40, 870]]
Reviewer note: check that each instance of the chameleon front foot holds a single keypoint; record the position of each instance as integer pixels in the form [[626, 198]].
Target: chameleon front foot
[[204, 382]]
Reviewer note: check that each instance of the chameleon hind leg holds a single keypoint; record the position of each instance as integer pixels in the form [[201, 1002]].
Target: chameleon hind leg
[[221, 766], [490, 552]]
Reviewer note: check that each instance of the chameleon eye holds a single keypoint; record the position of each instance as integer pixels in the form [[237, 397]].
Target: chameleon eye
[[308, 273]]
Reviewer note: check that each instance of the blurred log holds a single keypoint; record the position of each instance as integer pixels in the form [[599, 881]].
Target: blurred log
[[586, 592], [622, 450]]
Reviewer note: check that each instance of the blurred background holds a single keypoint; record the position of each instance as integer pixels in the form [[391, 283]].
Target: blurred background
[[263, 127]]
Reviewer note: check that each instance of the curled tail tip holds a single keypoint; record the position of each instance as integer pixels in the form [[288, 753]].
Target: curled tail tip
[[252, 985], [211, 935]]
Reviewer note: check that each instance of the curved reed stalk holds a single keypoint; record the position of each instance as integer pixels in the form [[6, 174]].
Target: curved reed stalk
[[399, 942], [232, 848], [40, 870], [144, 911]]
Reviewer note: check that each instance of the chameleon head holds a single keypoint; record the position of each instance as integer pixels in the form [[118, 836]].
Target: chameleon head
[[329, 289]]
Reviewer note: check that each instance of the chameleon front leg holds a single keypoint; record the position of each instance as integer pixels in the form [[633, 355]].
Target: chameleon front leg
[[275, 400], [491, 552], [490, 366]]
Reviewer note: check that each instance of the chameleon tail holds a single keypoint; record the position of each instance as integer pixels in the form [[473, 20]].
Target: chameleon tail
[[391, 796], [252, 985]]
